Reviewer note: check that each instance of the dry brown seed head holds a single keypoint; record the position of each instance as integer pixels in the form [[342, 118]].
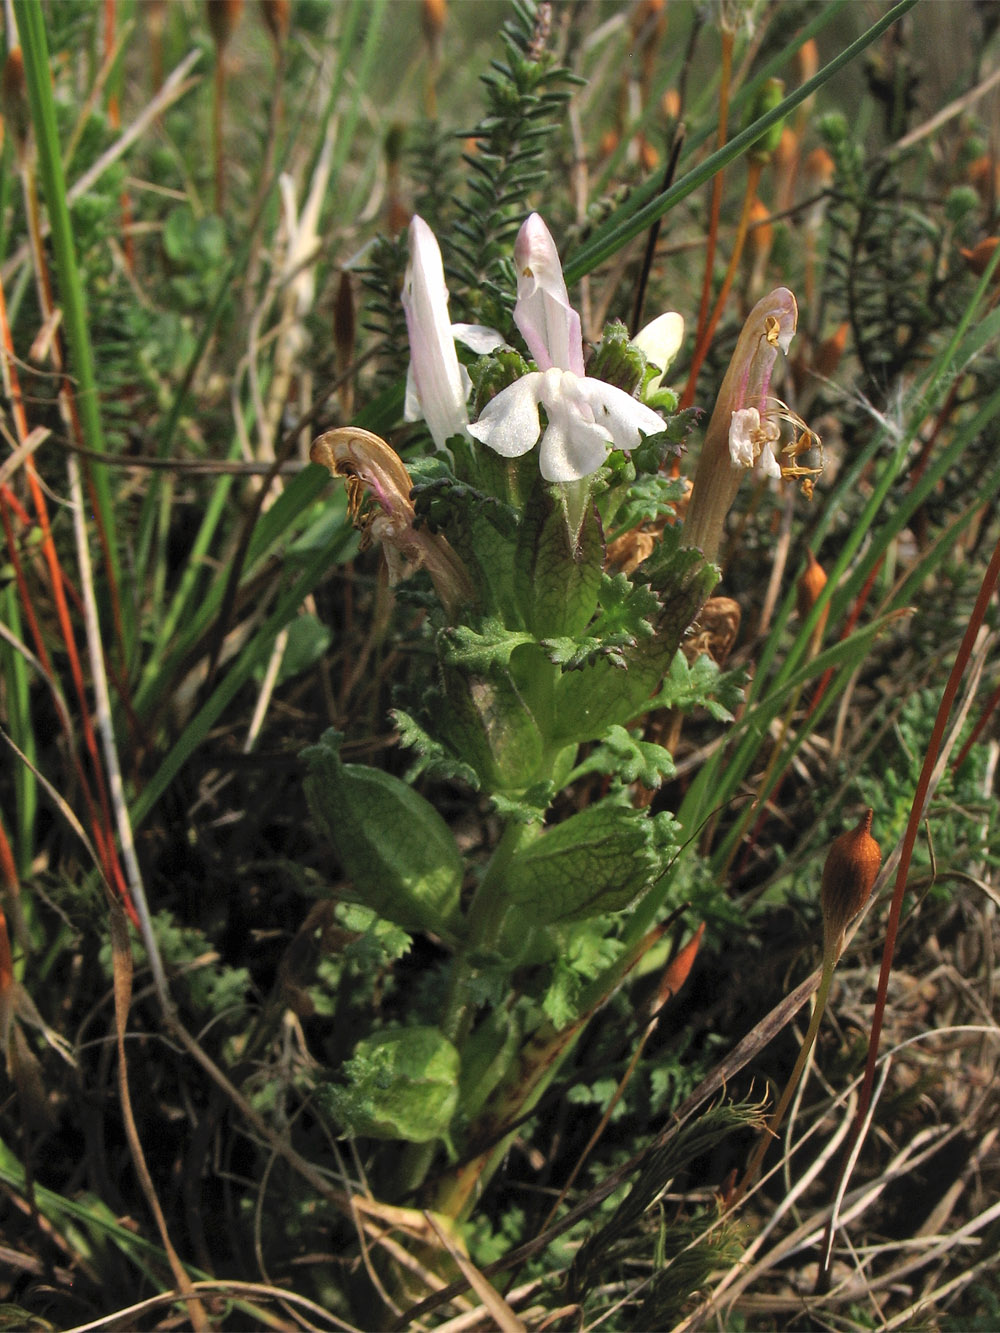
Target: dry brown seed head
[[811, 583], [14, 99], [848, 876], [278, 17], [978, 258], [223, 16]]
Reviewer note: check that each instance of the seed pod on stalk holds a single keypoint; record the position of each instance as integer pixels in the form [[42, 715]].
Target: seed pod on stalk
[[848, 875]]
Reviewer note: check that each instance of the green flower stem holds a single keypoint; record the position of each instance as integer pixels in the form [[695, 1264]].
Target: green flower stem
[[486, 914], [770, 1131]]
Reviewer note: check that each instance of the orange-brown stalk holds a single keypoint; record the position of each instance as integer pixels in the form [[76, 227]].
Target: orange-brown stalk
[[754, 168], [115, 120], [715, 209], [986, 591], [849, 875]]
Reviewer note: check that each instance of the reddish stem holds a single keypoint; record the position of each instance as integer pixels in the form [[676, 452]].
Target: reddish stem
[[986, 591]]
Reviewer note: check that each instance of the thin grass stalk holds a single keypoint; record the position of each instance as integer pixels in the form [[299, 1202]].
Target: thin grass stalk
[[105, 725], [19, 716], [31, 27], [986, 590], [722, 773], [824, 15], [112, 55], [235, 676], [176, 86], [98, 810], [961, 347]]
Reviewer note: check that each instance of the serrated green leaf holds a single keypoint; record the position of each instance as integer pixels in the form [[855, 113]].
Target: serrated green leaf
[[480, 651], [575, 654], [403, 1085], [432, 756], [527, 808], [701, 684], [630, 759], [596, 861]]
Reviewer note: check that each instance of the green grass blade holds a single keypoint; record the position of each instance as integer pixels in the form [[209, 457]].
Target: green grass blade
[[72, 299]]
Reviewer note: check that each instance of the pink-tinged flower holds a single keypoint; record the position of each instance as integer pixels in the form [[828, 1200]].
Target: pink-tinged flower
[[437, 385], [548, 323], [585, 416], [744, 428]]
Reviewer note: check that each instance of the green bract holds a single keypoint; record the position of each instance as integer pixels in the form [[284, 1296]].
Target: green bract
[[403, 1085], [392, 844]]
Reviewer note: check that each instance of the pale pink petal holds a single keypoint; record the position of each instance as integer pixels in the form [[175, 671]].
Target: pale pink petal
[[436, 374], [548, 323], [745, 425]]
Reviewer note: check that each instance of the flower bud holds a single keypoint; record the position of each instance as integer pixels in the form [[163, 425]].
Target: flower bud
[[618, 361], [661, 340], [848, 876]]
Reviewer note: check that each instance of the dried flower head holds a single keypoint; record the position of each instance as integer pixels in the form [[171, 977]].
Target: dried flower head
[[379, 504], [848, 876], [714, 632]]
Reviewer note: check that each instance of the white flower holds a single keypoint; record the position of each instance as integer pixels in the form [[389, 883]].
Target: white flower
[[752, 440], [586, 417], [437, 385]]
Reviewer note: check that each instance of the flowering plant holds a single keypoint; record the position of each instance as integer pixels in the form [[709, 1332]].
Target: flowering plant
[[564, 586]]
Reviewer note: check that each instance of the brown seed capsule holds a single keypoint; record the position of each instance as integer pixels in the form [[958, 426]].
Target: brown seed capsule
[[848, 875], [978, 258], [223, 16], [278, 17], [434, 14], [14, 99], [811, 583]]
